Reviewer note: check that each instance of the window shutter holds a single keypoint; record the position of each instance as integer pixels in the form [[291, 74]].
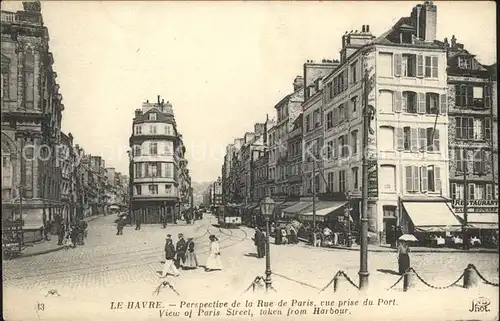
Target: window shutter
[[420, 65], [158, 166], [422, 137], [399, 138], [416, 178], [335, 116], [421, 101], [397, 64], [435, 67], [487, 128], [443, 104], [414, 139], [487, 96], [482, 165], [146, 169], [409, 179], [423, 178], [334, 148], [470, 133], [436, 140], [437, 178], [397, 101], [458, 96], [346, 78]]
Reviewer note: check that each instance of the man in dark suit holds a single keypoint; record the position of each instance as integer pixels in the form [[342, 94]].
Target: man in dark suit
[[260, 243], [180, 248]]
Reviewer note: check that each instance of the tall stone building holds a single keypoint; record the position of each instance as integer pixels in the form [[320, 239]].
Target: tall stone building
[[31, 105], [160, 178], [471, 134]]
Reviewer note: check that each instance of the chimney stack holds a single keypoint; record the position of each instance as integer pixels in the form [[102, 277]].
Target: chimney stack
[[158, 99]]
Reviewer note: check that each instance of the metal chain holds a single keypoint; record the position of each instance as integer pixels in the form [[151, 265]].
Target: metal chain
[[164, 284], [329, 283], [432, 286], [348, 279], [399, 280], [254, 282], [299, 282], [482, 277]]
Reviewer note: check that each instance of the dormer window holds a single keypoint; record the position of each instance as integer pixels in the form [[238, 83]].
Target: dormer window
[[464, 62], [152, 116]]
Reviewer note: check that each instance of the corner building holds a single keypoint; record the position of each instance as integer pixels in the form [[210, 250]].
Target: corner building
[[401, 78], [157, 155]]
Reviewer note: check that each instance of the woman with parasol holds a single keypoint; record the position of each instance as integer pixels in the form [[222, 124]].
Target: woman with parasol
[[403, 252]]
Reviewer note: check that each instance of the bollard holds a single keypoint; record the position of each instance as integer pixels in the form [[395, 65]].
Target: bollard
[[470, 277], [336, 282], [408, 280]]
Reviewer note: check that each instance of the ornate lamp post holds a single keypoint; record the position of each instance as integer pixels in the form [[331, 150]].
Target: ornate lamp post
[[267, 209]]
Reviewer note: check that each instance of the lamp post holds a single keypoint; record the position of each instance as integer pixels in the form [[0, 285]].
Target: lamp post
[[267, 209], [347, 217]]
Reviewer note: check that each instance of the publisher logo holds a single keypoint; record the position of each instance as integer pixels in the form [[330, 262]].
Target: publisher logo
[[480, 304]]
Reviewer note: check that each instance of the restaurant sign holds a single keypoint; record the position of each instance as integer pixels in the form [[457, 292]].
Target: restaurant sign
[[476, 206]]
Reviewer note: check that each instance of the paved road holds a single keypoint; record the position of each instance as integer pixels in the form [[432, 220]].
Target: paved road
[[111, 266]]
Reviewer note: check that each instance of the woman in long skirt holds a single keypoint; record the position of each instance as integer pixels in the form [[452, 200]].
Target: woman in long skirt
[[191, 261], [213, 260], [403, 257]]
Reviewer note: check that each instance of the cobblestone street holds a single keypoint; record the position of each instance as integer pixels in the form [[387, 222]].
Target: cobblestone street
[[111, 266]]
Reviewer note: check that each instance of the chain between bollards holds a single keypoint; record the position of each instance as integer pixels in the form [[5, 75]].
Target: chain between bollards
[[164, 284]]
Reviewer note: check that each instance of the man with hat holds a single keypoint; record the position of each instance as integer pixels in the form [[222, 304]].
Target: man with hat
[[169, 267], [181, 248]]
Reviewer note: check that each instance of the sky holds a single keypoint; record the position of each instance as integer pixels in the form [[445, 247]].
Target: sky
[[223, 65]]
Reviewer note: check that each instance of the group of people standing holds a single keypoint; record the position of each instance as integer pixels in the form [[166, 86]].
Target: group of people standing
[[182, 255], [68, 234]]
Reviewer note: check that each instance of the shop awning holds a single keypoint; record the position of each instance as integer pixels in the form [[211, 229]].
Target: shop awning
[[483, 221], [295, 208], [432, 217], [279, 208], [323, 209]]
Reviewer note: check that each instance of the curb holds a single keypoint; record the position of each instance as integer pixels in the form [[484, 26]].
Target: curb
[[412, 251], [40, 252]]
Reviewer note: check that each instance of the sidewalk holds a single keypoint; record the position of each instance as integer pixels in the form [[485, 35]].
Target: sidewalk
[[414, 249], [44, 247]]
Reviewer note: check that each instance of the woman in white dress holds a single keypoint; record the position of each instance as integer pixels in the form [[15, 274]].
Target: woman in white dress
[[213, 260]]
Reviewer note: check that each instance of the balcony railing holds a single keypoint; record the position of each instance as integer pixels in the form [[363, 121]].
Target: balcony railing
[[9, 17]]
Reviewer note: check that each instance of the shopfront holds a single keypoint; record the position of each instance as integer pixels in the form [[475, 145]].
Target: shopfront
[[482, 219], [425, 219]]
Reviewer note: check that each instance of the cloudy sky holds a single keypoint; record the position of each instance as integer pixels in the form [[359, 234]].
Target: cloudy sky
[[223, 65]]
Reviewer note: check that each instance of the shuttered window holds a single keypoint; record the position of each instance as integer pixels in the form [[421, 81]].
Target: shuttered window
[[422, 138], [399, 139], [416, 178], [397, 64], [420, 65], [409, 178], [423, 179]]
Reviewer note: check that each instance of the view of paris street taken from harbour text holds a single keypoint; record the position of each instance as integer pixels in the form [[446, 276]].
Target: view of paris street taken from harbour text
[[173, 160]]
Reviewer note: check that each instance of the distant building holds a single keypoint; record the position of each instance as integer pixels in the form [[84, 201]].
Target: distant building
[[160, 179]]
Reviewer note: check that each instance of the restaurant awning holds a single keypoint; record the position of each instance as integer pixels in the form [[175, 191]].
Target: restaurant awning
[[432, 217], [295, 208], [483, 221]]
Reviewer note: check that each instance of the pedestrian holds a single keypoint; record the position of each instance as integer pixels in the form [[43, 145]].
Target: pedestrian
[[277, 236], [259, 242], [169, 266], [82, 228], [403, 257], [68, 243], [137, 222], [213, 260], [191, 260], [180, 249], [74, 235], [164, 220], [284, 236], [119, 226], [318, 238], [60, 233]]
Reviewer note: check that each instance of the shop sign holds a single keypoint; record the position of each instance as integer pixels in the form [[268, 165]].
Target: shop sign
[[476, 206]]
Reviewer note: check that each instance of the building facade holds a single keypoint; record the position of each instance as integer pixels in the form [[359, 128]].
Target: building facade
[[471, 138], [287, 111], [157, 165], [294, 158], [31, 105]]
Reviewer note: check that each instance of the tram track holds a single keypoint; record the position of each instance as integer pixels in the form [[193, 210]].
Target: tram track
[[146, 257]]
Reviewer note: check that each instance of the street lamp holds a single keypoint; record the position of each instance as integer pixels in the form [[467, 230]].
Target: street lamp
[[267, 209], [347, 217]]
